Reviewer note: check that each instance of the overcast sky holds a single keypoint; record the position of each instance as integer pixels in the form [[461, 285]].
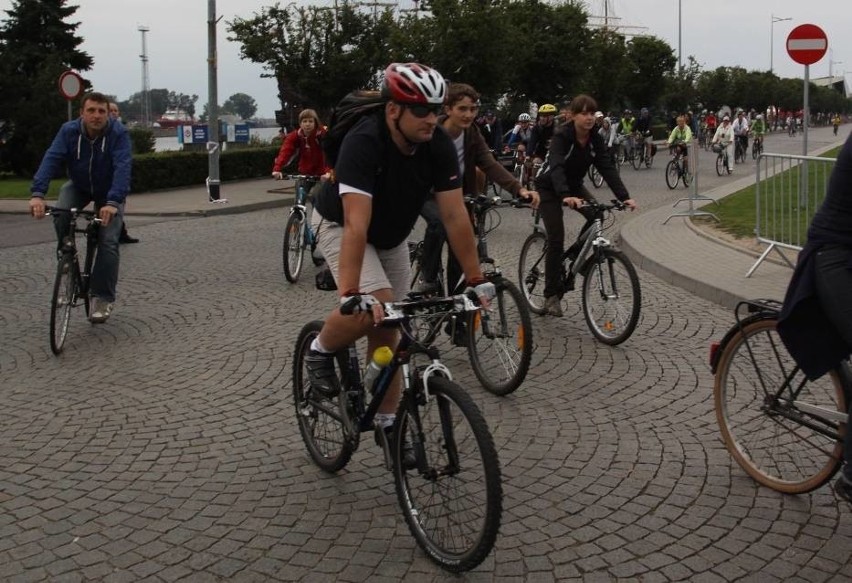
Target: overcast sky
[[717, 33]]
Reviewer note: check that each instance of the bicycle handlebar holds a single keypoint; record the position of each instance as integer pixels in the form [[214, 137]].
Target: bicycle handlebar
[[308, 177], [74, 212], [404, 310], [483, 201], [601, 207]]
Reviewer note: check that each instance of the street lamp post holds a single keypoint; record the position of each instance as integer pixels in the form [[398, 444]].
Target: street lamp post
[[772, 39]]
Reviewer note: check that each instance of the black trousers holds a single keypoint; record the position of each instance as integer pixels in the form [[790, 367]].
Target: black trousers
[[550, 209], [834, 286], [433, 245]]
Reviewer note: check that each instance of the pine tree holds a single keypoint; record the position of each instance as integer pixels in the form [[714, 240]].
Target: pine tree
[[37, 44]]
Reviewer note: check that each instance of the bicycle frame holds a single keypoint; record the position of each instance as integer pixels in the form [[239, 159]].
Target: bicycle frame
[[69, 247]]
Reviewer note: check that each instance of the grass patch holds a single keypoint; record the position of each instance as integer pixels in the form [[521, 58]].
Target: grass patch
[[20, 188], [737, 212]]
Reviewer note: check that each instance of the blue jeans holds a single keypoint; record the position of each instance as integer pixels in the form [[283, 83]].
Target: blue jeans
[[105, 270], [834, 286]]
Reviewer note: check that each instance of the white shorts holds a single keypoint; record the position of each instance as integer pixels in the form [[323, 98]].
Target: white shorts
[[382, 268]]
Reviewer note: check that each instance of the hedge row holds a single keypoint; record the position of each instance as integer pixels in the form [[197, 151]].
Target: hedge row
[[177, 169]]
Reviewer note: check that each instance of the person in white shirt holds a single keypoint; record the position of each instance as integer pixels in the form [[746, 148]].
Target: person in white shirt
[[725, 135], [740, 126]]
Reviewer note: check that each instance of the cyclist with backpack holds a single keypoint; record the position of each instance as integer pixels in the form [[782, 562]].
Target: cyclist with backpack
[[389, 163]]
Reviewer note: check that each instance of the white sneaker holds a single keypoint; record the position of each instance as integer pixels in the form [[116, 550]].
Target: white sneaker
[[100, 310]]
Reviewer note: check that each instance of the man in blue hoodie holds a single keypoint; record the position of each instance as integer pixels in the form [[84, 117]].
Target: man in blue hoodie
[[96, 151]]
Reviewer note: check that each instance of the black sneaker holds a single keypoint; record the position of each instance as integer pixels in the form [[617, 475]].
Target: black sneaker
[[409, 460], [321, 373], [457, 332], [843, 488]]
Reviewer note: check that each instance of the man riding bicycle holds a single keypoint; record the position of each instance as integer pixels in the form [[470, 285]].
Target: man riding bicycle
[[390, 163], [541, 134], [740, 127], [758, 129], [643, 131], [816, 321], [95, 149]]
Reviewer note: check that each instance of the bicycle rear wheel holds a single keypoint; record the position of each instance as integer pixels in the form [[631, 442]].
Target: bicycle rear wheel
[[761, 431], [531, 271], [500, 340], [672, 174], [453, 500], [320, 421], [63, 300], [294, 246], [612, 298]]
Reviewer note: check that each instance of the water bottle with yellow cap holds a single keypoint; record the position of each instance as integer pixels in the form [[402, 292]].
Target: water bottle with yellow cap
[[382, 357]]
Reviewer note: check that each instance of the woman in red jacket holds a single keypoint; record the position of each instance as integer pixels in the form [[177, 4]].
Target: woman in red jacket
[[305, 143]]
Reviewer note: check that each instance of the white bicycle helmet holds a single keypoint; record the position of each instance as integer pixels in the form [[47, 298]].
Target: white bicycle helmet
[[414, 83], [524, 117]]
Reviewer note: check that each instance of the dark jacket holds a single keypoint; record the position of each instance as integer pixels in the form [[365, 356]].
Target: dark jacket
[[99, 167], [567, 162], [807, 331], [477, 154]]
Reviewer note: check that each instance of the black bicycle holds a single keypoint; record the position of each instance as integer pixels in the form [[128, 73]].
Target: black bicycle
[[739, 150], [71, 285], [756, 147], [722, 162], [676, 170], [612, 298], [298, 234], [499, 340], [451, 496], [785, 431]]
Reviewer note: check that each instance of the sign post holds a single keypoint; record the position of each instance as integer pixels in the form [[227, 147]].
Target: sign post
[[806, 44], [71, 87]]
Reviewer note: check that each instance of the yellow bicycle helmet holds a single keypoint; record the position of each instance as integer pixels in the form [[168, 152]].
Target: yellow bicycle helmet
[[547, 109]]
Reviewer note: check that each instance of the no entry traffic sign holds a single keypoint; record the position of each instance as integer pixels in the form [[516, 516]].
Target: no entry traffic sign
[[806, 44]]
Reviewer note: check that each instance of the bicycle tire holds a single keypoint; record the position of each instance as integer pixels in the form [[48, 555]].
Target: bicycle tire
[[636, 160], [501, 358], [621, 155], [62, 301], [775, 451], [320, 421], [531, 270], [672, 174], [453, 501], [720, 165], [595, 177], [611, 312], [294, 246]]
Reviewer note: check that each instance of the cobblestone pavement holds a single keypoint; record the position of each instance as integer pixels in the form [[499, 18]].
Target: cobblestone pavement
[[162, 446]]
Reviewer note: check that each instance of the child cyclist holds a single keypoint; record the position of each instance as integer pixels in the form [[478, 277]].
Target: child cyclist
[[305, 143]]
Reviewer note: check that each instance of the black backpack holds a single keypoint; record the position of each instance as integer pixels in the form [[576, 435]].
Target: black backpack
[[351, 108]]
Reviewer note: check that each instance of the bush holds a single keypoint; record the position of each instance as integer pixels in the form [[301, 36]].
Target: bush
[[176, 169], [142, 141]]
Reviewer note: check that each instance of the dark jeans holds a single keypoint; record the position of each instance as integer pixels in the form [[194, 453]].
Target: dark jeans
[[105, 269], [833, 266], [551, 214], [433, 243]]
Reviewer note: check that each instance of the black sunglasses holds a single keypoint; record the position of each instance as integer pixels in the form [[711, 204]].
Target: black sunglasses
[[421, 110]]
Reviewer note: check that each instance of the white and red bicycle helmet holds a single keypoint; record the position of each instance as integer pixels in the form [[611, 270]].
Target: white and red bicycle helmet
[[414, 83]]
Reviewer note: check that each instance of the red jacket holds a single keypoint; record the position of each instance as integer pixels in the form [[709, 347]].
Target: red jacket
[[311, 158]]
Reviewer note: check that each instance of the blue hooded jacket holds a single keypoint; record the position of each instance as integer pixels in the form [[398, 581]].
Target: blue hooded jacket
[[99, 167]]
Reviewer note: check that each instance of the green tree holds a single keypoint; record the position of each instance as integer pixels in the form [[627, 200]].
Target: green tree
[[37, 44], [315, 54], [651, 62], [240, 104], [606, 67]]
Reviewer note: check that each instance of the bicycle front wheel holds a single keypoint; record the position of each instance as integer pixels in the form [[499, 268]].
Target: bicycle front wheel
[[637, 159], [320, 421], [294, 246], [720, 165], [612, 298], [531, 270], [770, 435], [672, 174], [500, 340], [595, 177], [453, 500], [63, 300]]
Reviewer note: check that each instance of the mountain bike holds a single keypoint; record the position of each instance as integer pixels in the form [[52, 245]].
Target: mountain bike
[[756, 147], [499, 340], [676, 171], [785, 431], [71, 285], [739, 151], [722, 166], [612, 297], [521, 170], [298, 234], [644, 152], [451, 495]]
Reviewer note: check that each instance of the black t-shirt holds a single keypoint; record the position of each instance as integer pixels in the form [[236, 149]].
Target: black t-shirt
[[400, 184]]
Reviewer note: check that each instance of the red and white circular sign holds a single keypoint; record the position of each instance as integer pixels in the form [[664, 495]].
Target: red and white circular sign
[[806, 44], [70, 85]]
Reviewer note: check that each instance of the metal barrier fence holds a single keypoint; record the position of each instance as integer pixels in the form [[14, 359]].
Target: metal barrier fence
[[788, 191]]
